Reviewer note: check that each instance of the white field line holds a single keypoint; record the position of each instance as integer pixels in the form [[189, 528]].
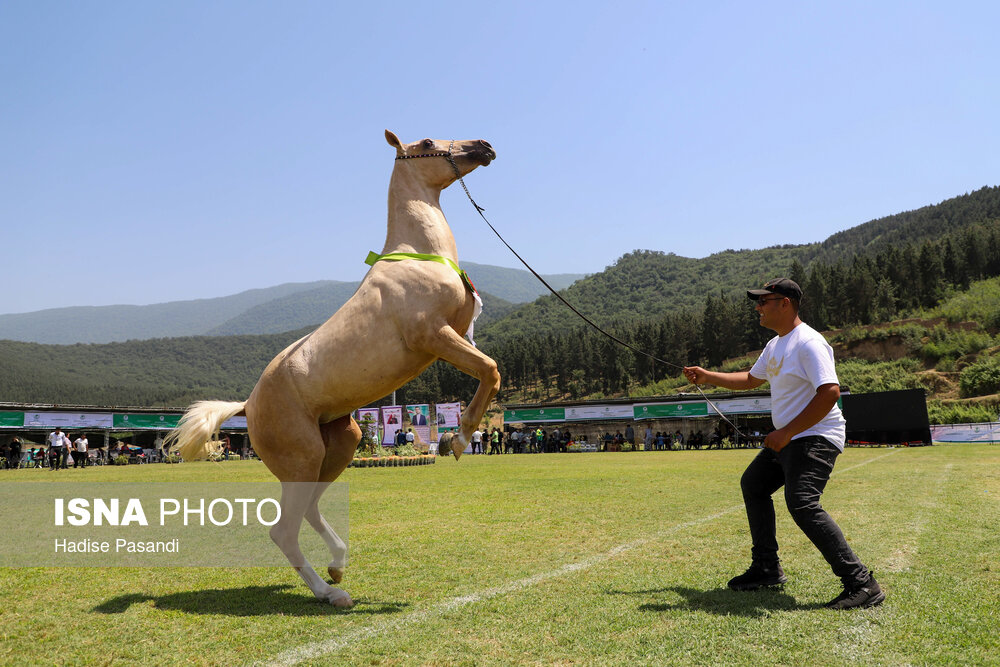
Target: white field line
[[326, 646], [859, 642]]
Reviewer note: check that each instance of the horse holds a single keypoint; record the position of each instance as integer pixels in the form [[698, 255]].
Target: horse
[[413, 307]]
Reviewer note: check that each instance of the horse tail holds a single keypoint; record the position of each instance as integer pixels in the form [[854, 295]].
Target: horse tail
[[199, 426]]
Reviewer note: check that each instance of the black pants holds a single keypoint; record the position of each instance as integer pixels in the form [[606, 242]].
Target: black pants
[[59, 457], [803, 467], [79, 459]]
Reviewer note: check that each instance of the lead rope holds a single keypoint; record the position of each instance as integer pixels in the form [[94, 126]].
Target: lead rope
[[480, 209]]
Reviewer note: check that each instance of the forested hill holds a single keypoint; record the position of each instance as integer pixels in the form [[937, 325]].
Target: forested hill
[[160, 372], [914, 227], [647, 284]]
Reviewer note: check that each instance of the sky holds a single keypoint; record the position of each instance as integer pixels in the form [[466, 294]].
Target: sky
[[163, 151]]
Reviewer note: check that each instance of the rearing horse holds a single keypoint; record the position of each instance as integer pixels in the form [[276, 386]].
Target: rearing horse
[[405, 314]]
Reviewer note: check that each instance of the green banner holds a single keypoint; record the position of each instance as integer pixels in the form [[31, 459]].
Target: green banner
[[535, 415], [11, 419], [145, 420], [667, 410]]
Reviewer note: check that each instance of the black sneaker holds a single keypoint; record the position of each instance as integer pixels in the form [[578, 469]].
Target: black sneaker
[[758, 576], [858, 596]]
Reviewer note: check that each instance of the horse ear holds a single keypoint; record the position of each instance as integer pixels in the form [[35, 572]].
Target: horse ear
[[393, 140]]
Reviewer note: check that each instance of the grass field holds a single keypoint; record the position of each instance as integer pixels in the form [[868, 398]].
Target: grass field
[[565, 559]]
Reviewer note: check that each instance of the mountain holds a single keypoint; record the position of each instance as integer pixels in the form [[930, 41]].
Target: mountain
[[500, 288], [105, 324], [259, 311]]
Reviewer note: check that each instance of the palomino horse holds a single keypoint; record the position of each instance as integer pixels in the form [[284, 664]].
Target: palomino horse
[[407, 313]]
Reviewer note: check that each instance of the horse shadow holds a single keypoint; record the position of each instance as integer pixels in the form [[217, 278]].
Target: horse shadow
[[247, 601], [719, 601]]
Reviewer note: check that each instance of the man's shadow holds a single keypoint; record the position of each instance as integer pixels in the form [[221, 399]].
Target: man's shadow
[[719, 601], [246, 601]]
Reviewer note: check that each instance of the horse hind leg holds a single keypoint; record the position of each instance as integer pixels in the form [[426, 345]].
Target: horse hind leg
[[341, 438], [292, 449], [296, 498]]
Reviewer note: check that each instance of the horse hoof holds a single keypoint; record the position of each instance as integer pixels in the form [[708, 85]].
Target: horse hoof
[[339, 599], [336, 573]]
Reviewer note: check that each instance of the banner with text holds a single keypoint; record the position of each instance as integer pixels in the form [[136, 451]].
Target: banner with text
[[368, 421], [9, 419], [392, 418], [68, 420], [448, 416], [535, 415], [599, 412], [744, 406], [984, 432], [670, 410], [420, 421]]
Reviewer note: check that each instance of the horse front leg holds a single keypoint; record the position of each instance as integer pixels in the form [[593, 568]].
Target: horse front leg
[[447, 344]]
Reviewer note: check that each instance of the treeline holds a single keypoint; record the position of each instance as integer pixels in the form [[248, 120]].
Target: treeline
[[164, 372], [877, 287]]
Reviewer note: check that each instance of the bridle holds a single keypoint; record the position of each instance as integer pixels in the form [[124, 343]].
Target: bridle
[[480, 209]]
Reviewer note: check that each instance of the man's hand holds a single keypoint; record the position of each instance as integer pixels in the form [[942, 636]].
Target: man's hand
[[695, 374], [777, 440]]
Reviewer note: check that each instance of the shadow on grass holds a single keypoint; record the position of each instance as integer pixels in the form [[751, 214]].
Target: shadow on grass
[[720, 601], [247, 601]]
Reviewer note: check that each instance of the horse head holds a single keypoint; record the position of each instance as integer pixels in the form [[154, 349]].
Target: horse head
[[453, 158]]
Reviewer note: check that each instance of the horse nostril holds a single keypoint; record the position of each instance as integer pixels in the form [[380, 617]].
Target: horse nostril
[[485, 143]]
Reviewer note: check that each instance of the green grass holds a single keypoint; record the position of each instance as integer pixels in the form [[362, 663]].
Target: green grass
[[465, 563]]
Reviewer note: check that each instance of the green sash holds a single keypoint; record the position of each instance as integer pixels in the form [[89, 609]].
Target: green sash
[[397, 256]]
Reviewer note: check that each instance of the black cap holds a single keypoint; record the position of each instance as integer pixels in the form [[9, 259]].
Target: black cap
[[782, 286]]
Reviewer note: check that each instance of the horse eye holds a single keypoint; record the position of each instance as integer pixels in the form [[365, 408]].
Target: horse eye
[[428, 143]]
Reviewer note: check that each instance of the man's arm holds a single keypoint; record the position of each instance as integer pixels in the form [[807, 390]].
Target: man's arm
[[737, 381], [819, 407]]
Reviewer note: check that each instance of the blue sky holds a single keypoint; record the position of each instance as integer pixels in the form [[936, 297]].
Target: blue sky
[[153, 152]]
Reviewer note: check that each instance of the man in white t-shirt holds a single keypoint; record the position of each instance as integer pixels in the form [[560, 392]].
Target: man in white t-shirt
[[80, 446], [477, 441], [800, 453], [57, 449]]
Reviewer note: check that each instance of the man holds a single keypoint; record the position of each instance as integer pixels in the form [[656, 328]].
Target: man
[[57, 449], [81, 445], [800, 453], [477, 441]]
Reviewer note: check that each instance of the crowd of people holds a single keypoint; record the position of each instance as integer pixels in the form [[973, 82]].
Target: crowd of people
[[537, 440], [62, 451]]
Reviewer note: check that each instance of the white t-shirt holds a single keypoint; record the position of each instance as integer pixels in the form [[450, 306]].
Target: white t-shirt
[[796, 365], [81, 444], [56, 439], [477, 436]]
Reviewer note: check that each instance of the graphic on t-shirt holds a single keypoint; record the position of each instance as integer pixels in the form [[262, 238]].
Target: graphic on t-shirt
[[774, 367]]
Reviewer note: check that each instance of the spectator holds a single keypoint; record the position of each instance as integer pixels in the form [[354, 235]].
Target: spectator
[[80, 447], [629, 435], [410, 438], [647, 439], [57, 449], [477, 441]]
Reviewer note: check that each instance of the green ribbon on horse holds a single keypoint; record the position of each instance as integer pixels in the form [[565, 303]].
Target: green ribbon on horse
[[398, 256]]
